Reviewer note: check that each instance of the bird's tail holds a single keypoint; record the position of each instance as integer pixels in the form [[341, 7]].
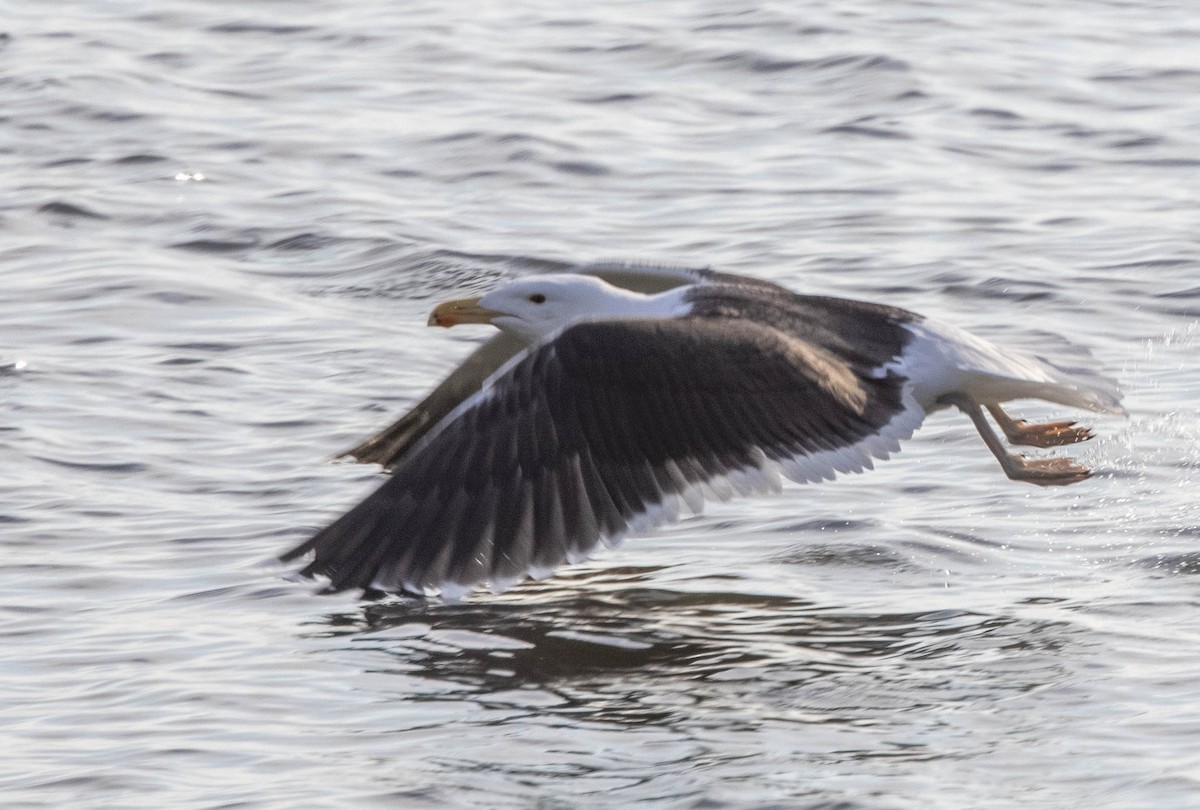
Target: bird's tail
[[943, 358], [1080, 387]]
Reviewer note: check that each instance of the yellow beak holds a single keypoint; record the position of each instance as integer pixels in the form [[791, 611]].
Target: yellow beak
[[462, 310]]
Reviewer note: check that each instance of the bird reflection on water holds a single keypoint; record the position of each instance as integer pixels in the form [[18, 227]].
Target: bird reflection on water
[[610, 649]]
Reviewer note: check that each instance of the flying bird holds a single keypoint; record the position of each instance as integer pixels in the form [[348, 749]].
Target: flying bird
[[617, 396]]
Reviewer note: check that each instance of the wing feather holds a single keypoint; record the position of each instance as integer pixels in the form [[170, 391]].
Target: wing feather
[[609, 426]]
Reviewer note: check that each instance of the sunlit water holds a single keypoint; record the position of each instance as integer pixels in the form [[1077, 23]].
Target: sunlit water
[[223, 226]]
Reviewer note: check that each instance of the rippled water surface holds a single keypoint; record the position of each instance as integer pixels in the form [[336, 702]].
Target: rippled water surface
[[223, 226]]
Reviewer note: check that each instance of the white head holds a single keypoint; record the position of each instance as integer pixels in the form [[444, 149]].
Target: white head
[[536, 307]]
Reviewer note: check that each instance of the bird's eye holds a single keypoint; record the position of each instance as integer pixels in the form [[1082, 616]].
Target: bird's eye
[[537, 298]]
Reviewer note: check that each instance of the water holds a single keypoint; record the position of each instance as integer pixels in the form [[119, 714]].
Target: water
[[223, 226]]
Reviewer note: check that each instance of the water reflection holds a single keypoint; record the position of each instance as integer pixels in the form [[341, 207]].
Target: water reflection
[[604, 647]]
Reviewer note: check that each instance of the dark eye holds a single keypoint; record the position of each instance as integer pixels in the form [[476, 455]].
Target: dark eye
[[537, 298]]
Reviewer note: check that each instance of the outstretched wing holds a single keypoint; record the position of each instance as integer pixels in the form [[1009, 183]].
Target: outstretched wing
[[601, 431]]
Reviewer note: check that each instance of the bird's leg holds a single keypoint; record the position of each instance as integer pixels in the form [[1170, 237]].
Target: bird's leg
[[1042, 434], [1042, 471]]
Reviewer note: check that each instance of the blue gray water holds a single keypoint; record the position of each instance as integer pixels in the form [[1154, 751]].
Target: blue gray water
[[223, 226]]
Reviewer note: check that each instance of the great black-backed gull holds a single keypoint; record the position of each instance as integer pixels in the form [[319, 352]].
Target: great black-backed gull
[[618, 394]]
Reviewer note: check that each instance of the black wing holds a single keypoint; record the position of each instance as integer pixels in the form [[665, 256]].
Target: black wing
[[592, 434]]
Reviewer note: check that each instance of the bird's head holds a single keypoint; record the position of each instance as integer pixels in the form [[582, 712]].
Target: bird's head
[[539, 306]]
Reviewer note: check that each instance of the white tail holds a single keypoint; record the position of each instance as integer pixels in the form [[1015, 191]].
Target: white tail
[[943, 359]]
